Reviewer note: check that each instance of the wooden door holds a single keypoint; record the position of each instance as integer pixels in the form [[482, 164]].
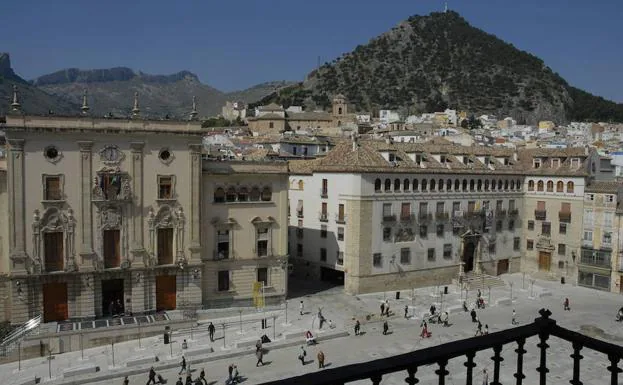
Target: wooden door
[[55, 302], [165, 246], [165, 292], [503, 266], [112, 252], [545, 259], [53, 251]]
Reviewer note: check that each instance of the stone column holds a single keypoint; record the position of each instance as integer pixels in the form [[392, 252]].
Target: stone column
[[195, 201], [137, 246], [17, 206], [86, 209]]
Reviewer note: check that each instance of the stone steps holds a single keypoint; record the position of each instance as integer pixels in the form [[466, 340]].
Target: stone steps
[[481, 281]]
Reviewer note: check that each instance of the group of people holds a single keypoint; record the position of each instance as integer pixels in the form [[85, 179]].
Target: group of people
[[115, 308]]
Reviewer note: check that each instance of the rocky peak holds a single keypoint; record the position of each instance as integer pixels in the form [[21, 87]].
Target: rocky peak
[[6, 70]]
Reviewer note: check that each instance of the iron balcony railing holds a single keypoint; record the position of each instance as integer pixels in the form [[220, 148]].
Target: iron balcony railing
[[542, 328], [540, 215]]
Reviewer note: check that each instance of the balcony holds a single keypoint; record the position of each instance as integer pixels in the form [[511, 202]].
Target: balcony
[[564, 216], [391, 218], [407, 218], [220, 255], [324, 193], [540, 215], [442, 216], [513, 343], [425, 217], [587, 243], [513, 212], [597, 258], [500, 213], [262, 252], [323, 217], [340, 219]]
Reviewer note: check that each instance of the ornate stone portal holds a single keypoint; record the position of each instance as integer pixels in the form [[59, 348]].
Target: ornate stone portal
[[110, 217], [167, 217], [53, 220], [111, 184]]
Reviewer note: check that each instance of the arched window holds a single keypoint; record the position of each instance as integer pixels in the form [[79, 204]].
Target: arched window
[[560, 186], [512, 184], [493, 183], [405, 185], [499, 184], [539, 186], [267, 194], [569, 187], [396, 184], [449, 185], [388, 185], [550, 186], [440, 185], [479, 185], [243, 194], [377, 185], [471, 185], [231, 195], [464, 184], [424, 183], [255, 194], [506, 184], [487, 185], [219, 195], [301, 184], [530, 185], [432, 185], [415, 185], [457, 185]]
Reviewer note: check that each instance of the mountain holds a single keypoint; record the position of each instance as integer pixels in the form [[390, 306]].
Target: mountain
[[32, 99], [258, 91], [429, 63]]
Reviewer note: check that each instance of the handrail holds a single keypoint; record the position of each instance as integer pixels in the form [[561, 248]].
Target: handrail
[[22, 330]]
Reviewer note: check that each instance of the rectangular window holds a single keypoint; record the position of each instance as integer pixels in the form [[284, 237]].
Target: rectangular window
[[607, 238], [323, 208], [498, 226], [498, 205], [340, 213], [222, 244], [262, 275], [588, 236], [387, 210], [492, 248], [299, 250], [377, 260], [405, 256], [323, 231], [423, 208], [299, 209], [516, 243], [431, 254], [546, 228], [112, 250], [562, 229], [529, 244], [562, 248], [387, 234], [340, 233], [511, 225], [456, 206], [471, 206], [165, 246], [223, 280], [447, 251], [440, 208], [540, 205], [323, 254], [456, 230], [440, 230], [511, 205], [530, 225], [423, 231], [325, 188], [53, 190], [405, 211], [608, 217], [340, 258], [53, 251], [165, 187]]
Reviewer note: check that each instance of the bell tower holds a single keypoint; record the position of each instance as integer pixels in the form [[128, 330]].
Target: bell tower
[[339, 106]]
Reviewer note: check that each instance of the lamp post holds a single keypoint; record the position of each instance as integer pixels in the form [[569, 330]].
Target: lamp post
[[511, 291], [223, 335], [240, 320], [274, 322], [81, 347], [531, 288], [139, 334], [489, 300], [112, 348]]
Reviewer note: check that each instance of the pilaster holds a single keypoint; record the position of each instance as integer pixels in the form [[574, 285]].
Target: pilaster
[[195, 201], [86, 210], [17, 207], [137, 246], [138, 282]]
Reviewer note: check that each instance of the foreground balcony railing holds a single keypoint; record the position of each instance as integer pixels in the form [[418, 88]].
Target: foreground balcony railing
[[542, 327]]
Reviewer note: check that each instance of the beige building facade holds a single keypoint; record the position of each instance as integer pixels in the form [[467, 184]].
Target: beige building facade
[[244, 232]]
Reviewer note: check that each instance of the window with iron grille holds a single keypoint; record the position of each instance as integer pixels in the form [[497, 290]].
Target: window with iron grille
[[405, 256], [516, 243], [431, 254], [447, 251], [340, 233], [377, 260]]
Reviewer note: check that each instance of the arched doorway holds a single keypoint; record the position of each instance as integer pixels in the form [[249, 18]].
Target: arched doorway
[[468, 256]]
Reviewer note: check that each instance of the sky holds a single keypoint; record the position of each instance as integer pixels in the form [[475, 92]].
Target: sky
[[235, 44]]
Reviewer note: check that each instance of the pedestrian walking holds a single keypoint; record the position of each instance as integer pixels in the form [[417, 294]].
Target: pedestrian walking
[[179, 381], [486, 329], [320, 360], [479, 329], [202, 377], [382, 308], [189, 379], [386, 308], [211, 331], [385, 327], [260, 355], [258, 345], [357, 327], [479, 294], [126, 381], [183, 364], [514, 318], [485, 377], [152, 376], [473, 314], [230, 369], [302, 355], [425, 333], [566, 304], [301, 307], [184, 344], [236, 376], [322, 321], [406, 311]]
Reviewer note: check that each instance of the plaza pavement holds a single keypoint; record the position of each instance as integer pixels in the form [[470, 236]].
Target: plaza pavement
[[592, 312]]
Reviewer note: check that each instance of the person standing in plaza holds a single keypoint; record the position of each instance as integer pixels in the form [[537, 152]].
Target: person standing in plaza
[[302, 355], [301, 307], [230, 369], [514, 318], [485, 377], [486, 329], [320, 360], [211, 331], [152, 376], [183, 364], [357, 327], [385, 327], [382, 308], [566, 305], [260, 356], [202, 377], [406, 311], [126, 381]]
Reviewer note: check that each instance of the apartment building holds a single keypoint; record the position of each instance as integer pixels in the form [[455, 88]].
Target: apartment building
[[599, 264], [555, 181], [245, 231], [382, 216]]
